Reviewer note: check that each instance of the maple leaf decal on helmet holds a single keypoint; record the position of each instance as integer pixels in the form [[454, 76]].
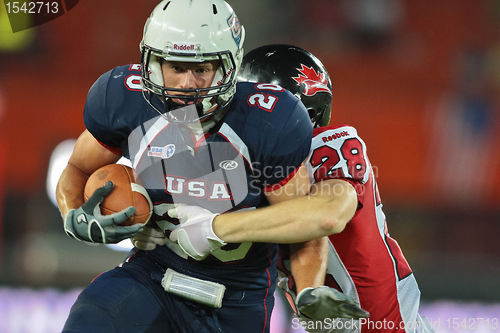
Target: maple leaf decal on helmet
[[312, 82]]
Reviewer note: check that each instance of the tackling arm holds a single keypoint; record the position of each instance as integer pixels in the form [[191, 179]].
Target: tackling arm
[[291, 219], [308, 261]]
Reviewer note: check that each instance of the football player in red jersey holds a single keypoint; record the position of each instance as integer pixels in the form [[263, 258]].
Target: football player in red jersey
[[364, 262]]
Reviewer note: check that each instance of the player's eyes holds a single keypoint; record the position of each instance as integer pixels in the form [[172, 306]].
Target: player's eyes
[[202, 70], [198, 70]]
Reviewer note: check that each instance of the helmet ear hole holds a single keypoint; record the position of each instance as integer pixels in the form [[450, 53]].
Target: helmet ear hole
[[325, 118], [155, 69], [302, 88], [312, 113]]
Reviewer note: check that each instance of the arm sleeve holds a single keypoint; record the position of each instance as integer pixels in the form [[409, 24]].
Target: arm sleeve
[[291, 147], [339, 153], [97, 114]]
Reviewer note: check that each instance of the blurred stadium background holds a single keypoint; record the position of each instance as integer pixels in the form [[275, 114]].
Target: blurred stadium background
[[420, 80]]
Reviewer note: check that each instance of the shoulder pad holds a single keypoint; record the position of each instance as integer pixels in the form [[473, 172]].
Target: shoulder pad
[[111, 108]]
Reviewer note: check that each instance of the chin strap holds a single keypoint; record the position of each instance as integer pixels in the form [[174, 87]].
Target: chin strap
[[207, 121]]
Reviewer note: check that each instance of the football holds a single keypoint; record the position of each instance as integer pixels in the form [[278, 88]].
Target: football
[[126, 192]]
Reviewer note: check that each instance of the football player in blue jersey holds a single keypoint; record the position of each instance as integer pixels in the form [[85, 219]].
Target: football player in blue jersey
[[195, 137]]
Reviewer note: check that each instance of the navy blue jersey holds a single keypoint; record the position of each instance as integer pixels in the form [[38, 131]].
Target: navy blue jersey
[[257, 147]]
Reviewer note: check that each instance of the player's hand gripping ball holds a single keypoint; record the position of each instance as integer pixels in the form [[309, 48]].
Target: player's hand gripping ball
[[126, 192], [115, 207]]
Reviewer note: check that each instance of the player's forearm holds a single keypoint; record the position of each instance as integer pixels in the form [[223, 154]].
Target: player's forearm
[[308, 262], [293, 221], [69, 191], [300, 219], [88, 155]]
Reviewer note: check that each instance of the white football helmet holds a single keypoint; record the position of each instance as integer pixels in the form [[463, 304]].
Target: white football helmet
[[192, 31]]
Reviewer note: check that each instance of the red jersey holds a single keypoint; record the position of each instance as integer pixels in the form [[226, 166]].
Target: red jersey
[[364, 261]]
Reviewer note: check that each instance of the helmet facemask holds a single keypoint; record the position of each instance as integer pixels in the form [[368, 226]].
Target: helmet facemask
[[211, 32], [209, 100], [318, 106]]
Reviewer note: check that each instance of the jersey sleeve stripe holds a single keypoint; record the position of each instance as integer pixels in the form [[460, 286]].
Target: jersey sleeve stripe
[[114, 150], [359, 188]]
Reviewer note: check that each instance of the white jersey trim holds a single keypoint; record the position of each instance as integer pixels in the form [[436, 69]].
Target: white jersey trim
[[158, 126], [337, 269], [233, 138]]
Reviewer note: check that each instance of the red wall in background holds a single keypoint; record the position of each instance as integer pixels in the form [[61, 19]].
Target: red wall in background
[[385, 94], [45, 87]]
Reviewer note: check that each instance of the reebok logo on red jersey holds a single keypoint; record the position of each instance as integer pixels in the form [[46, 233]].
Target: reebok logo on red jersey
[[334, 136]]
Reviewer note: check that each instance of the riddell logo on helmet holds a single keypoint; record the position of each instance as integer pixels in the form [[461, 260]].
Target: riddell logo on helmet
[[184, 47], [334, 136]]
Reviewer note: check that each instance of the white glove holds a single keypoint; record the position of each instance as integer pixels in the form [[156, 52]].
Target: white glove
[[194, 234], [325, 302], [148, 238]]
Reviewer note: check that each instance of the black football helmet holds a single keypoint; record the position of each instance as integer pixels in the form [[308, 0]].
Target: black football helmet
[[296, 70]]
